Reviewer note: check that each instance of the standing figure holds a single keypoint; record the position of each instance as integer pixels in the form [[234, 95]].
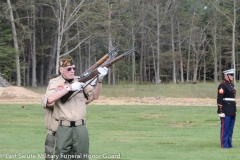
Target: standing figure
[[72, 139], [51, 126], [227, 108]]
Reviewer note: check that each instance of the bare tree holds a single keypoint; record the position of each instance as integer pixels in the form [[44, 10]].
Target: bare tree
[[198, 44], [180, 41], [134, 28], [15, 40], [232, 19], [64, 24], [189, 46], [214, 32], [143, 49], [42, 49], [110, 46], [171, 13], [160, 12], [33, 48]]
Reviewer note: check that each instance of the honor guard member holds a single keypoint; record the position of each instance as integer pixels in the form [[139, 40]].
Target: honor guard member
[[51, 124], [72, 139], [226, 108]]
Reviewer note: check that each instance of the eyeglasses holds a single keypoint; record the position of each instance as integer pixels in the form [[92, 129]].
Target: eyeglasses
[[71, 68], [231, 74]]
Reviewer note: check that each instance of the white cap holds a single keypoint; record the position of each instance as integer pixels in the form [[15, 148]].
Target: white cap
[[230, 71]]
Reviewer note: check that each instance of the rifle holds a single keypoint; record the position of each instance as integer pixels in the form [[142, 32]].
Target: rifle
[[111, 57], [97, 64], [100, 61], [94, 73], [107, 64]]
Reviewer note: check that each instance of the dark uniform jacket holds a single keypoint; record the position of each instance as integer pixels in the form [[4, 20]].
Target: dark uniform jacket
[[226, 90]]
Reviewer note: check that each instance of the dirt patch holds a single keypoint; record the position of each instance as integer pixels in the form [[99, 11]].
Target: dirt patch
[[22, 95], [156, 101], [18, 95]]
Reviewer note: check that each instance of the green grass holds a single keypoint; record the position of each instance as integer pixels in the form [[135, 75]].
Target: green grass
[[165, 90], [200, 90], [134, 132]]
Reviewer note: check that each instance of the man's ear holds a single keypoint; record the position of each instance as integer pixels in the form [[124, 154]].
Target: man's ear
[[60, 69]]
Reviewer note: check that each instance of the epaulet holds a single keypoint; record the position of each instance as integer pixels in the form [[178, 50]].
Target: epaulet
[[53, 76], [56, 78]]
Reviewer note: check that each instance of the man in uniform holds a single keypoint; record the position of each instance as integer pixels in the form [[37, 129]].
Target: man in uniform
[[72, 135], [227, 108], [51, 124]]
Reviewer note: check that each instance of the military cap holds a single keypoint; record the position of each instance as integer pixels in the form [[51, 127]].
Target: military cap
[[230, 71], [66, 61]]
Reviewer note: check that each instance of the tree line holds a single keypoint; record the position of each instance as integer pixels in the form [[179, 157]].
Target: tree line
[[178, 40]]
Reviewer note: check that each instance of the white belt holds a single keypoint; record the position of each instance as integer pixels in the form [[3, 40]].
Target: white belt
[[71, 123], [51, 132], [229, 99]]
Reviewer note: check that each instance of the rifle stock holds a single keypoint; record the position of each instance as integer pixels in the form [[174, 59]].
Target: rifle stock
[[94, 73], [98, 63]]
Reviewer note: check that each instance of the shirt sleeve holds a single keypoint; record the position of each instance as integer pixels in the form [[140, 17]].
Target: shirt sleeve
[[89, 92], [52, 88], [221, 93], [44, 101]]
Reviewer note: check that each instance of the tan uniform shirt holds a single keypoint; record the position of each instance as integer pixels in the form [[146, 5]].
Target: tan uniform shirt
[[73, 109], [50, 123]]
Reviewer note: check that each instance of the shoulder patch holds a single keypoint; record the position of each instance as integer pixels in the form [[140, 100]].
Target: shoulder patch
[[220, 91], [59, 88]]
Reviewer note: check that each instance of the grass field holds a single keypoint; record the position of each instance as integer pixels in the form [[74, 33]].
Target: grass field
[[133, 132], [200, 90]]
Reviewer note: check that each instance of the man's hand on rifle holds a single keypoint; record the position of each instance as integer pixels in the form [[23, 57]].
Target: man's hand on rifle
[[103, 71], [76, 86], [92, 82]]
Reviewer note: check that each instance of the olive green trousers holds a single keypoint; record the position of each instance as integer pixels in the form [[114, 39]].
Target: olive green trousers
[[72, 143], [49, 146]]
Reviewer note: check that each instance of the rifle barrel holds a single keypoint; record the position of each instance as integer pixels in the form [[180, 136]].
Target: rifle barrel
[[100, 61], [119, 57]]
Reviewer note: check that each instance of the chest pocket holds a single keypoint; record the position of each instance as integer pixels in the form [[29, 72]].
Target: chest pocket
[[80, 95]]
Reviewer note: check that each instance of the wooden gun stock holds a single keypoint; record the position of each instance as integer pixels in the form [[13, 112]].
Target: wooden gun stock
[[100, 61]]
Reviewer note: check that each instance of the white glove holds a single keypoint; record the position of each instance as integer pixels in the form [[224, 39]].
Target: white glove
[[76, 86], [221, 115], [93, 82], [103, 71]]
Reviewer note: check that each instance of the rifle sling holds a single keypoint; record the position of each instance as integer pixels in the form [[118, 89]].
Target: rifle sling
[[70, 94], [85, 95]]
